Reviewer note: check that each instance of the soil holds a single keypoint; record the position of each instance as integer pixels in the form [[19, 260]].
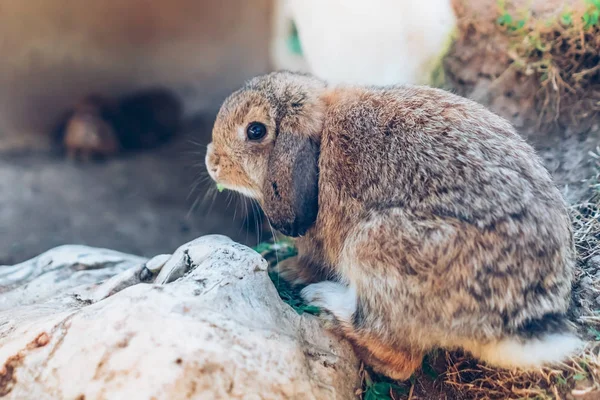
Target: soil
[[498, 66]]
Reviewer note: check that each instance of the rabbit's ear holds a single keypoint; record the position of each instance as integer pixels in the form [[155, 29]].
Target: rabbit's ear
[[291, 184]]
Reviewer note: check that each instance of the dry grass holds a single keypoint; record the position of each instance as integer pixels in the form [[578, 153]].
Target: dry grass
[[563, 57], [543, 63]]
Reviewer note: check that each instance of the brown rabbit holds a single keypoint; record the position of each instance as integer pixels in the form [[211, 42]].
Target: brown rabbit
[[435, 224], [101, 127], [88, 133]]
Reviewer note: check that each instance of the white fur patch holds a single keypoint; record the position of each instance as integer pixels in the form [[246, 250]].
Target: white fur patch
[[334, 297], [513, 353], [243, 190]]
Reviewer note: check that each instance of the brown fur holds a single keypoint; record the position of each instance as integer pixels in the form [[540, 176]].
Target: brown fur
[[101, 127], [433, 209], [88, 133]]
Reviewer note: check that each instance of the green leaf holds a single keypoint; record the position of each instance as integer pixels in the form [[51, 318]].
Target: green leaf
[[381, 388], [586, 20], [505, 19], [276, 252], [561, 380], [369, 395], [220, 187], [579, 377], [520, 23], [314, 310], [595, 332], [262, 247], [595, 3], [381, 391], [594, 17], [567, 18]]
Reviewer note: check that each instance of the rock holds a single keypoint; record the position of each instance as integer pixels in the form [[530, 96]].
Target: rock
[[214, 327], [58, 271]]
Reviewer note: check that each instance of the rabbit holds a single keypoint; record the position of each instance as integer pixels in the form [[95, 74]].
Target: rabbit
[[88, 132], [422, 220], [101, 127]]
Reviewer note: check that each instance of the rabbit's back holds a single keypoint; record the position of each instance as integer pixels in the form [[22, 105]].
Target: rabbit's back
[[430, 150], [440, 176]]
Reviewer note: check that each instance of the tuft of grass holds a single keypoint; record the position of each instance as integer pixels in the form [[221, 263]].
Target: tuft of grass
[[377, 387], [278, 251], [508, 21], [563, 56]]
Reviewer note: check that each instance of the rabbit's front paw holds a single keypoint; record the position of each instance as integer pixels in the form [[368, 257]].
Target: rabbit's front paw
[[298, 271], [290, 270], [332, 297]]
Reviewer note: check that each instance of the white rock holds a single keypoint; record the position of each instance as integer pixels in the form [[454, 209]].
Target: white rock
[[156, 263], [58, 270], [217, 330]]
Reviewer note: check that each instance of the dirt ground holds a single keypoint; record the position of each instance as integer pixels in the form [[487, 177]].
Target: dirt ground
[[139, 203]]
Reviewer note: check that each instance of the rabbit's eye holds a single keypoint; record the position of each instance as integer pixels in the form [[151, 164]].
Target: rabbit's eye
[[256, 131]]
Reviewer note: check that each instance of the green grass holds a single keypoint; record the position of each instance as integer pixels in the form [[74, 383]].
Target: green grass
[[277, 252], [560, 54], [590, 17]]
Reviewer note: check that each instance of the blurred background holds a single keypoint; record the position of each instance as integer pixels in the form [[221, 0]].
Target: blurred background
[[124, 169]]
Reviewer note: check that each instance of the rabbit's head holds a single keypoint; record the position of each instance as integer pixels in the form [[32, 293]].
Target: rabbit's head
[[266, 146]]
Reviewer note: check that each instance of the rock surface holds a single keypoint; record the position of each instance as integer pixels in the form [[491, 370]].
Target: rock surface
[[78, 323]]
